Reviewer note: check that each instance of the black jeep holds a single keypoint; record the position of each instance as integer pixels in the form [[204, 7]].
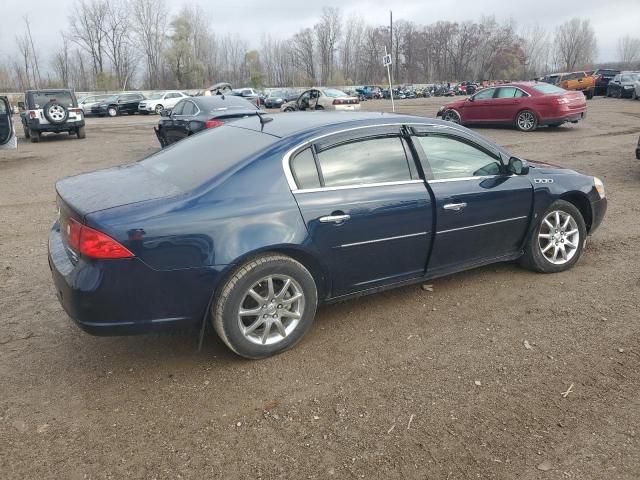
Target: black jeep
[[54, 110]]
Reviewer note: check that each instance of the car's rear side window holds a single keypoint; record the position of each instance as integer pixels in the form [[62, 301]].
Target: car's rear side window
[[548, 89], [191, 162], [372, 160], [304, 170]]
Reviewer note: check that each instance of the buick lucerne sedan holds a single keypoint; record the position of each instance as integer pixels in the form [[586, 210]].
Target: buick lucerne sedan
[[525, 105], [252, 225]]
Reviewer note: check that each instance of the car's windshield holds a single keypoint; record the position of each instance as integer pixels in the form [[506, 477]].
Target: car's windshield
[[192, 162], [334, 93], [156, 96], [40, 99], [629, 78], [548, 89]]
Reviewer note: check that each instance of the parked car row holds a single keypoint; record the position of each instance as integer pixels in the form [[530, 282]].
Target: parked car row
[[603, 81]]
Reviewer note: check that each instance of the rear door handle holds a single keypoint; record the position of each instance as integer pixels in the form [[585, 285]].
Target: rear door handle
[[335, 218], [455, 206]]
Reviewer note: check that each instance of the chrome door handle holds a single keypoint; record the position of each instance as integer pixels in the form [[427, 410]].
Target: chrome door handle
[[335, 218], [455, 206]]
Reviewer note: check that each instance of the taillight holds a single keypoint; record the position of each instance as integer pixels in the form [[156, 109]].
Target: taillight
[[213, 123], [92, 243], [75, 110], [32, 114]]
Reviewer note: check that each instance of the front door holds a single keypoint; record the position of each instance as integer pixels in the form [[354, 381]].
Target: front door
[[481, 212], [366, 209], [479, 107], [6, 123]]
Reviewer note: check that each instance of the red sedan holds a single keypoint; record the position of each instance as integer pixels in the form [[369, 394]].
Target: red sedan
[[526, 105]]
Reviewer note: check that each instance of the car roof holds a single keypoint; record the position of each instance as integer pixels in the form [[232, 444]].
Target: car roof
[[294, 123]]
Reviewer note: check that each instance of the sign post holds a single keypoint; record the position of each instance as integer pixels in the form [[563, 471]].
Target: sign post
[[386, 61]]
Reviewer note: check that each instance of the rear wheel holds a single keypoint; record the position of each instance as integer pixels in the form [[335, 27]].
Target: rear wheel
[[557, 242], [81, 133], [265, 307], [526, 121], [27, 134], [159, 108], [112, 111], [35, 136]]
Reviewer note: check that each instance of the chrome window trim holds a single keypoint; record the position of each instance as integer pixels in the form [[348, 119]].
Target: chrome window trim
[[482, 224], [385, 239], [462, 179], [361, 185], [286, 159]]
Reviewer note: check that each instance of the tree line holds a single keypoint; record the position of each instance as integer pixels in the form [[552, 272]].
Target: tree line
[[120, 45]]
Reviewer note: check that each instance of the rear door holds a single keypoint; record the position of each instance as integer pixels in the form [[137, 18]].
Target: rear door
[[507, 102], [481, 213], [366, 209], [7, 134]]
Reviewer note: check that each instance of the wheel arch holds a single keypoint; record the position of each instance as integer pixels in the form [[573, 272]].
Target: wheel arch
[[581, 202]]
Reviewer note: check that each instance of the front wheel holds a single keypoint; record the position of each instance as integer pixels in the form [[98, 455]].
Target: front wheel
[[265, 307], [159, 108], [526, 121], [112, 111], [557, 242], [451, 116]]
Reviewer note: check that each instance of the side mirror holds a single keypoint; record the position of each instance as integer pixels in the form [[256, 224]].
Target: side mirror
[[471, 99], [517, 166]]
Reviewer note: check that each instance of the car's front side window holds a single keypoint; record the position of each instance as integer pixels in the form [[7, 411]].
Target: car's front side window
[[451, 158], [484, 94], [372, 160]]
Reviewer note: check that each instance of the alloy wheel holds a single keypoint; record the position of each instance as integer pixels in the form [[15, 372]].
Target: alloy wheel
[[526, 121], [271, 309], [451, 116], [558, 237]]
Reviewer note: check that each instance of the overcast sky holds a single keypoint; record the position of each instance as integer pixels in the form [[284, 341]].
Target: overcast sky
[[250, 18]]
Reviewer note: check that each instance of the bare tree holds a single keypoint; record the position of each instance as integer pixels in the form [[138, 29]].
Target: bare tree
[[328, 32], [302, 45], [575, 44], [150, 23], [118, 46], [535, 49], [61, 63], [87, 26], [36, 68], [22, 70], [629, 51]]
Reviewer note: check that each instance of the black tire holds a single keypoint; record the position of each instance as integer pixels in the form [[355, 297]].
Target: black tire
[[159, 108], [27, 133], [55, 113], [35, 136], [451, 116], [526, 121], [289, 109], [589, 95], [81, 133], [112, 111], [233, 294], [534, 259], [319, 107]]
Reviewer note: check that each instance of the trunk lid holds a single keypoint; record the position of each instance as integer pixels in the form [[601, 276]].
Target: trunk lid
[[90, 192]]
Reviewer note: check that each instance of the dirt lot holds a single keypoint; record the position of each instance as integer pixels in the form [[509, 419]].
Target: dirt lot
[[404, 384]]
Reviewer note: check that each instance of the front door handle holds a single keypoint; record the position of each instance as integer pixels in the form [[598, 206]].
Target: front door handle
[[335, 218], [455, 206]]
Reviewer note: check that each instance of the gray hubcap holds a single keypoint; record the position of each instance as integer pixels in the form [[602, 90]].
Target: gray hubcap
[[56, 112], [526, 120], [559, 237], [271, 309]]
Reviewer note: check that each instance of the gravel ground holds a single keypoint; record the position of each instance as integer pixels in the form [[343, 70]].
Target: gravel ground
[[405, 384]]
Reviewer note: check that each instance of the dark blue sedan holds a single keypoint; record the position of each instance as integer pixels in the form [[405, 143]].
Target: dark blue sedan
[[253, 224]]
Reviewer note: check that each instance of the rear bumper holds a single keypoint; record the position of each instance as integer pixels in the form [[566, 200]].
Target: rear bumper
[[347, 108], [568, 117], [122, 297], [36, 126]]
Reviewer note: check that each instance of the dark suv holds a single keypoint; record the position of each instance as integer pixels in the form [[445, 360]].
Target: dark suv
[[114, 105], [603, 77], [53, 110]]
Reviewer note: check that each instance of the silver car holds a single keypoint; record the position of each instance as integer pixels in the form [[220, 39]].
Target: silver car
[[87, 102]]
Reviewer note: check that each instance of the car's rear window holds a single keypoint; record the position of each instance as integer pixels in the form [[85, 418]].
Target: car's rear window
[[40, 99], [548, 89], [191, 162]]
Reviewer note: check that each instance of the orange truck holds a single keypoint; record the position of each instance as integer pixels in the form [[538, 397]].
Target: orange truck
[[578, 81]]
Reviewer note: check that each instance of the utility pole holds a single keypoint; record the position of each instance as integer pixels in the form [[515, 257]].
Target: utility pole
[[391, 43]]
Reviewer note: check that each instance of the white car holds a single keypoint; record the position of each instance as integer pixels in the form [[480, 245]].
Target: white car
[[156, 102]]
